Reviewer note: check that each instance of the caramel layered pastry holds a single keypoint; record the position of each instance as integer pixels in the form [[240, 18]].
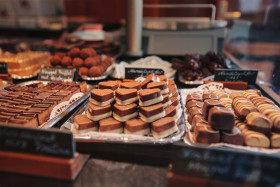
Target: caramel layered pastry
[[123, 113], [171, 111], [151, 78], [208, 104], [32, 104], [149, 97], [151, 113], [175, 102], [255, 139], [101, 97], [164, 127], [203, 133], [113, 85], [132, 84], [252, 93], [275, 140], [258, 122], [175, 94], [166, 101], [137, 127], [97, 113], [234, 136], [110, 125], [83, 124], [162, 78], [160, 85], [221, 118], [220, 94], [126, 96], [243, 106]]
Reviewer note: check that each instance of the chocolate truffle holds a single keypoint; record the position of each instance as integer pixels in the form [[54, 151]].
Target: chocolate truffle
[[74, 52], [78, 62]]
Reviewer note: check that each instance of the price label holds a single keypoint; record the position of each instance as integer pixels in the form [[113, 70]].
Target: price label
[[37, 141], [133, 73], [3, 68], [53, 73], [249, 76]]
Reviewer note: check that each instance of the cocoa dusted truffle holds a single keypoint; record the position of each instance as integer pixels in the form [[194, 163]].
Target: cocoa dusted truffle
[[83, 71], [78, 62], [90, 61], [87, 52], [94, 72], [66, 61], [60, 54], [55, 60], [74, 52]]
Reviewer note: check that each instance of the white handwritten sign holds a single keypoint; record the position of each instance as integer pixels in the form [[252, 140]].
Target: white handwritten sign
[[53, 73], [133, 73], [249, 76]]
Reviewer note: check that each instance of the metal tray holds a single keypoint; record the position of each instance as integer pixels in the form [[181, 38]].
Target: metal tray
[[51, 122], [125, 138]]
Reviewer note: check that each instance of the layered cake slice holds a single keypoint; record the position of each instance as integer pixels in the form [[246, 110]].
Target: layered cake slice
[[149, 97], [132, 84], [161, 85], [97, 113], [166, 101], [151, 113], [110, 125], [171, 111], [151, 78], [164, 127], [126, 96], [125, 112], [113, 85], [175, 102], [137, 127], [101, 97], [83, 124]]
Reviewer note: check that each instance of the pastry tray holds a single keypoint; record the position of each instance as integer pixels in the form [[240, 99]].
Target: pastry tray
[[124, 138], [188, 138], [51, 122]]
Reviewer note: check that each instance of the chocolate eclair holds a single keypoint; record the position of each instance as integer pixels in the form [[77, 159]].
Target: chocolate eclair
[[164, 127], [101, 97], [131, 84], [97, 113], [161, 85], [136, 126], [110, 125], [83, 124], [151, 113], [125, 112], [149, 97], [113, 85], [126, 96]]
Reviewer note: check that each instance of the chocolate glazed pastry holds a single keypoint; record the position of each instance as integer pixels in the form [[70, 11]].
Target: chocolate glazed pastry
[[232, 137], [110, 125], [83, 124], [126, 96], [101, 97], [151, 113], [136, 126], [208, 104], [149, 97], [221, 118], [164, 127], [125, 112]]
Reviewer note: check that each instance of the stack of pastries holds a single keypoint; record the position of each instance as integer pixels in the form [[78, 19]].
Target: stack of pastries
[[140, 108], [246, 118], [31, 105]]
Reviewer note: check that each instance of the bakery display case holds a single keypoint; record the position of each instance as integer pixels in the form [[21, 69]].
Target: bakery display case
[[162, 99]]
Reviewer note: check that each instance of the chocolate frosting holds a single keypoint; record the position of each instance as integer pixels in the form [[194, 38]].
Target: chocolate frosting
[[132, 84], [151, 110], [113, 85], [98, 110], [101, 95], [161, 85], [123, 110], [148, 94], [124, 94]]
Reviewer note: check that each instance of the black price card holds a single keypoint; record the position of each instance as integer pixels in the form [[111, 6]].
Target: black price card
[[37, 141], [228, 165], [248, 76], [3, 68], [53, 73], [133, 73]]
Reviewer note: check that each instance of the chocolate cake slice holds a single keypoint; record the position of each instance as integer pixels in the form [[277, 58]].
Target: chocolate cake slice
[[110, 125], [151, 113], [123, 113], [83, 124], [164, 127], [97, 113], [126, 96], [136, 126], [149, 97], [101, 97]]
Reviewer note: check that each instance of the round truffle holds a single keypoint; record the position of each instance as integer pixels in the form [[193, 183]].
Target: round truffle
[[83, 71], [94, 71], [78, 62], [60, 54], [66, 61], [87, 52], [90, 61], [55, 60], [74, 52]]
